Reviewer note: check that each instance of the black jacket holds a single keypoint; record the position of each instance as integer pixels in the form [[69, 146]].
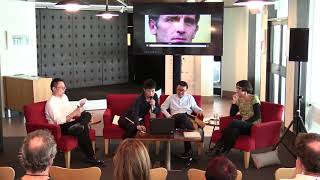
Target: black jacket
[[138, 110]]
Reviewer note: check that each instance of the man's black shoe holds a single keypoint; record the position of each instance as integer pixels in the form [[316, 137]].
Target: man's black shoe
[[76, 129], [95, 162], [186, 155]]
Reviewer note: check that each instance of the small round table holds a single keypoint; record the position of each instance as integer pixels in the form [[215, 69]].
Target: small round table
[[214, 123]]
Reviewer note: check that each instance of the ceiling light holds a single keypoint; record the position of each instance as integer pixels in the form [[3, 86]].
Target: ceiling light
[[106, 14], [72, 5], [254, 6]]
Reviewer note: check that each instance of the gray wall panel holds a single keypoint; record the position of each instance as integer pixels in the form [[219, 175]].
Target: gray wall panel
[[82, 48]]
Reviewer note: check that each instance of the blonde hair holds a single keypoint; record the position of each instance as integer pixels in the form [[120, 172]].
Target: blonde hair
[[131, 161]]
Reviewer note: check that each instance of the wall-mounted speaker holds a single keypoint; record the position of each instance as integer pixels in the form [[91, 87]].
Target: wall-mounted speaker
[[299, 43]]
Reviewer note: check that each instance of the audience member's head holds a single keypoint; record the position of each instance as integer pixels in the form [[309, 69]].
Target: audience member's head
[[131, 161], [221, 168], [181, 88], [308, 151], [244, 85], [37, 152]]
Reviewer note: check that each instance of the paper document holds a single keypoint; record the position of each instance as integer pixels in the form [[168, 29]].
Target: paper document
[[115, 120], [193, 134]]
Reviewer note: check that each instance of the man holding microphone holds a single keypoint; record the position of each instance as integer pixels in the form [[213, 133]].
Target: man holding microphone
[[132, 121]]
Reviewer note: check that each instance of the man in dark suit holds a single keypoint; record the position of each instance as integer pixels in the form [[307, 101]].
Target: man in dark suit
[[132, 120]]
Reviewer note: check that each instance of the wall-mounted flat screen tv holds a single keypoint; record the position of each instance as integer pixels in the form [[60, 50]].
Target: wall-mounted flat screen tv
[[178, 28]]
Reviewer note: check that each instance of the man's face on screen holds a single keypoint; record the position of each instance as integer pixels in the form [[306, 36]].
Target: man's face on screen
[[174, 28]]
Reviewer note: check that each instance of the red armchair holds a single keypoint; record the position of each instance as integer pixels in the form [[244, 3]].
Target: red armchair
[[198, 100], [265, 134], [35, 119], [117, 104]]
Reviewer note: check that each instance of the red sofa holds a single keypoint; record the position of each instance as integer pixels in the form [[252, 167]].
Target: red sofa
[[35, 119], [263, 135]]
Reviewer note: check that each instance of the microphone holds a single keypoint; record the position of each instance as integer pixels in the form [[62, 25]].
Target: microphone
[[152, 106]]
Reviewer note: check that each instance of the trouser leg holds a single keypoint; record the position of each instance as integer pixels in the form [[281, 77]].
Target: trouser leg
[[130, 130], [84, 140], [183, 122], [85, 118], [232, 132], [85, 144]]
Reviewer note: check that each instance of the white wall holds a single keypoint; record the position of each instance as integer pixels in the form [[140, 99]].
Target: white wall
[[17, 18], [235, 47]]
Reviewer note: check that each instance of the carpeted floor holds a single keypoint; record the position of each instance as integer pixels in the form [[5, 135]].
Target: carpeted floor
[[10, 158]]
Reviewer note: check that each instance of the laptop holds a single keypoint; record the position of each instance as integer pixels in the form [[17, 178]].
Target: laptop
[[161, 126]]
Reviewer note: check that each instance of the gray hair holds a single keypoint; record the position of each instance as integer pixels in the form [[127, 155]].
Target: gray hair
[[39, 158]]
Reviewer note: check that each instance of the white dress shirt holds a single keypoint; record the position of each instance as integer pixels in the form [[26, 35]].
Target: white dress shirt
[[57, 109], [303, 177], [185, 104]]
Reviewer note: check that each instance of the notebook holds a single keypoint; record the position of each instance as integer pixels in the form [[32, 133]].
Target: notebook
[[161, 126]]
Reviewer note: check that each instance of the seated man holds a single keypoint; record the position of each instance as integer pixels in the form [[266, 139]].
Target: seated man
[[181, 105], [221, 168], [37, 153], [71, 119], [132, 121], [308, 161]]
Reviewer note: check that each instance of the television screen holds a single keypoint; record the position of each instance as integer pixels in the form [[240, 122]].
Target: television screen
[[178, 28]]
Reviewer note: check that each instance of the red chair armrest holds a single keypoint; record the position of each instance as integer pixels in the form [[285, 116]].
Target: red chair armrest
[[266, 134], [54, 129], [107, 117]]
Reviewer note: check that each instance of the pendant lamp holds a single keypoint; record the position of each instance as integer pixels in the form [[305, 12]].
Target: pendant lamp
[[72, 5], [107, 14]]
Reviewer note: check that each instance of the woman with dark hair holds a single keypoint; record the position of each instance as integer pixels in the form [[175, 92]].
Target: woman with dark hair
[[248, 106], [221, 168]]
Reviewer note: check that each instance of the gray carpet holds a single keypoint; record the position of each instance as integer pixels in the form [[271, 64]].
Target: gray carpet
[[12, 144]]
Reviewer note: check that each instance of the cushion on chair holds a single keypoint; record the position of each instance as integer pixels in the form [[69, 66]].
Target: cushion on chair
[[271, 112], [119, 103], [35, 113]]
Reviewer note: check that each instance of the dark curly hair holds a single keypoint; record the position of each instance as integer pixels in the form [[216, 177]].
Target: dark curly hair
[[40, 157]]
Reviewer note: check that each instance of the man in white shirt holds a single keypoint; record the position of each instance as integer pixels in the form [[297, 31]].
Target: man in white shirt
[[308, 161], [181, 105], [71, 119]]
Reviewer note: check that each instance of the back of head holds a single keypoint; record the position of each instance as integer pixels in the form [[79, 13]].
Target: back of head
[[308, 151], [149, 84], [38, 151], [131, 161], [221, 168], [245, 85]]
